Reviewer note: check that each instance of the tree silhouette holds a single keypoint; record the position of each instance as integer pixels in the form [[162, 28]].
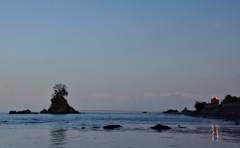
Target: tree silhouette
[[228, 97], [60, 90], [199, 105]]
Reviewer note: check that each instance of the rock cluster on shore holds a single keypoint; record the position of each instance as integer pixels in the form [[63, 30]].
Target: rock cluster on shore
[[158, 127]]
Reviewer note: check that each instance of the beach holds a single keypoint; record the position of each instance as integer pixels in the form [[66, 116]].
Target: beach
[[62, 138]]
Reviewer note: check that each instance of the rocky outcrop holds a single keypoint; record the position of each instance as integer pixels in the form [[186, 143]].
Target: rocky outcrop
[[160, 127], [110, 127], [21, 112], [24, 112], [44, 111], [185, 110], [60, 106], [171, 111], [13, 112]]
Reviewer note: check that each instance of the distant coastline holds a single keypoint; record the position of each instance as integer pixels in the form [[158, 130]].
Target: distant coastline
[[228, 109]]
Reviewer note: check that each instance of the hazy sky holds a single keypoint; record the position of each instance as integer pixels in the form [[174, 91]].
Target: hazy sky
[[121, 55]]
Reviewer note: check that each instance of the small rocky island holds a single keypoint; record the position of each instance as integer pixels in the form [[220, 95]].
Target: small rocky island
[[59, 103]]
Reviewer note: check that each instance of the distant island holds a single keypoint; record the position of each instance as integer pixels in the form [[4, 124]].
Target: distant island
[[59, 104]]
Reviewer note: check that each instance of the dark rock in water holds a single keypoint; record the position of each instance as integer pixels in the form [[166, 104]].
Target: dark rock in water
[[95, 127], [144, 112], [60, 106], [21, 112], [83, 127], [160, 127], [13, 112], [185, 110], [181, 126], [171, 111], [44, 111], [112, 126], [24, 112]]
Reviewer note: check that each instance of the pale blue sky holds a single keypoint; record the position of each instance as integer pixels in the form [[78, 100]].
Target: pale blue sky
[[125, 55]]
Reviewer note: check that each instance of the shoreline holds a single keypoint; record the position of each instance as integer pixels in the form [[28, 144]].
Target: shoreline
[[210, 115], [216, 115]]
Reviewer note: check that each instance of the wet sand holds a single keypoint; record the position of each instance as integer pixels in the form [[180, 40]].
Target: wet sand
[[197, 137]]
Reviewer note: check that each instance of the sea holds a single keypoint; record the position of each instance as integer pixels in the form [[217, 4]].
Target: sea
[[86, 130]]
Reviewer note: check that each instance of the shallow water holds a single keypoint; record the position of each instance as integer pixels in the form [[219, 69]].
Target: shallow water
[[60, 131]]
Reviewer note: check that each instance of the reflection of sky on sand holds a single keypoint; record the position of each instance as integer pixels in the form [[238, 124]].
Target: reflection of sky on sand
[[231, 134], [191, 136], [216, 133], [58, 138]]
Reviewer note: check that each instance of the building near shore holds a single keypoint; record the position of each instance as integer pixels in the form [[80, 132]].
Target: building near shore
[[230, 105], [211, 107]]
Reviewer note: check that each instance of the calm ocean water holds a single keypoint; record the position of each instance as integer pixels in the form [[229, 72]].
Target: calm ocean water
[[46, 130]]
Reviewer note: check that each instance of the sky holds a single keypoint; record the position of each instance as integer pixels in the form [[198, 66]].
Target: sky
[[148, 55]]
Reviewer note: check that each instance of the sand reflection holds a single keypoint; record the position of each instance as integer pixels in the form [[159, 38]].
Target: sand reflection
[[58, 138], [215, 133]]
